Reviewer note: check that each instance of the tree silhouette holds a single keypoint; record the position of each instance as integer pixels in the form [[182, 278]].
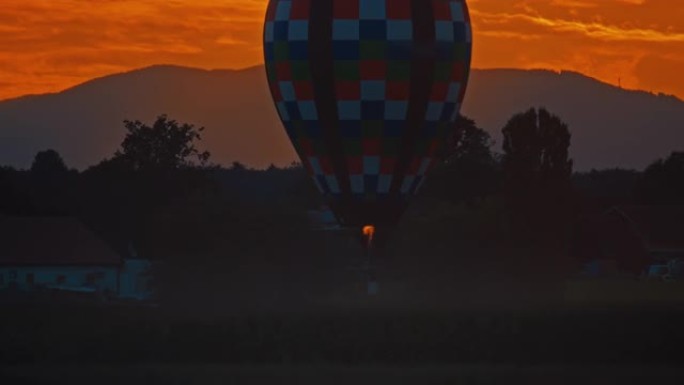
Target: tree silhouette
[[48, 163], [166, 145], [536, 165], [663, 182], [470, 170]]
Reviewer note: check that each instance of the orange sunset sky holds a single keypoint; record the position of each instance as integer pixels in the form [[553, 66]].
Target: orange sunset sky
[[49, 45]]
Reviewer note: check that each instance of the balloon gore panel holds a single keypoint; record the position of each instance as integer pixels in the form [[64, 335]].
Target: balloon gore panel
[[368, 91]]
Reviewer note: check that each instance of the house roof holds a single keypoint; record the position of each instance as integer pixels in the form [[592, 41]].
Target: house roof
[[51, 241], [660, 227]]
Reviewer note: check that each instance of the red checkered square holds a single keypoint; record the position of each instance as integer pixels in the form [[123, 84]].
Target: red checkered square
[[434, 148], [396, 90], [372, 146], [458, 71], [387, 165], [306, 147], [442, 10], [275, 91], [414, 166], [284, 71], [398, 9], [303, 90], [326, 165], [373, 70], [300, 9], [355, 165], [348, 90], [271, 10], [440, 91], [346, 9]]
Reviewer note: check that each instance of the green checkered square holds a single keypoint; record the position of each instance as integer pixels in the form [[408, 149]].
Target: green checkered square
[[391, 147], [319, 147], [347, 70], [373, 50], [460, 51], [281, 50], [399, 70], [300, 70], [443, 70], [372, 128], [422, 146], [271, 72], [353, 147]]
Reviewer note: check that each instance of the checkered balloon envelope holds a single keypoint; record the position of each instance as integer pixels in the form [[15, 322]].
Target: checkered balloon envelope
[[368, 91]]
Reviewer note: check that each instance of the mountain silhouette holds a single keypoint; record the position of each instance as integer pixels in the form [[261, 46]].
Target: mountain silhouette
[[611, 127]]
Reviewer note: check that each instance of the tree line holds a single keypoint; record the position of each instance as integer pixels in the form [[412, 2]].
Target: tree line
[[160, 192]]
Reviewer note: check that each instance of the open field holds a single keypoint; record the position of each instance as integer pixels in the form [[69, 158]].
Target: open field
[[339, 375]]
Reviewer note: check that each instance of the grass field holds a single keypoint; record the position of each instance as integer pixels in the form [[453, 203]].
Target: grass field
[[338, 375]]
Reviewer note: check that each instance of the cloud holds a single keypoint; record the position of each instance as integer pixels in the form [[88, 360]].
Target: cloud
[[50, 45]]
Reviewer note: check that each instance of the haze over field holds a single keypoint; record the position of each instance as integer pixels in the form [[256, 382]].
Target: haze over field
[[611, 127]]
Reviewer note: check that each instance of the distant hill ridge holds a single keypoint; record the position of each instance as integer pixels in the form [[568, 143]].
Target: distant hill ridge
[[612, 127]]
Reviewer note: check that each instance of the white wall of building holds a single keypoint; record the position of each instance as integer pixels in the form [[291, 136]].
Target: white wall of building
[[100, 278]]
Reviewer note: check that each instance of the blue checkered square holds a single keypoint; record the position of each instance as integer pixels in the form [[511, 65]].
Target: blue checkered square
[[407, 184], [345, 29], [333, 186], [454, 116], [396, 109], [308, 110], [313, 130], [373, 29], [287, 91], [384, 184], [282, 111], [322, 186], [283, 10], [293, 110], [371, 165], [434, 111], [454, 92], [315, 165], [393, 128], [444, 30], [460, 33], [349, 109], [448, 111], [280, 30], [399, 30], [373, 110], [372, 9], [373, 90], [346, 50], [457, 11], [269, 32], [356, 182], [269, 53], [399, 50], [298, 30], [298, 50], [371, 182]]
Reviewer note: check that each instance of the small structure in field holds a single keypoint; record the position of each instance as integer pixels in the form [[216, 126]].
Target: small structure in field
[[59, 254], [633, 239]]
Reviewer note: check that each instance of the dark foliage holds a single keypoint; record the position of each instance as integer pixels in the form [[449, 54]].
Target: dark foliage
[[663, 182], [470, 171], [165, 145], [537, 169]]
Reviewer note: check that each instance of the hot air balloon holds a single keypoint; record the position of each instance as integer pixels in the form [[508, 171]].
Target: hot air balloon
[[368, 91]]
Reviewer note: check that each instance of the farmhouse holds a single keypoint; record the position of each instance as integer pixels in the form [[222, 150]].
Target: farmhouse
[[633, 238], [61, 254]]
